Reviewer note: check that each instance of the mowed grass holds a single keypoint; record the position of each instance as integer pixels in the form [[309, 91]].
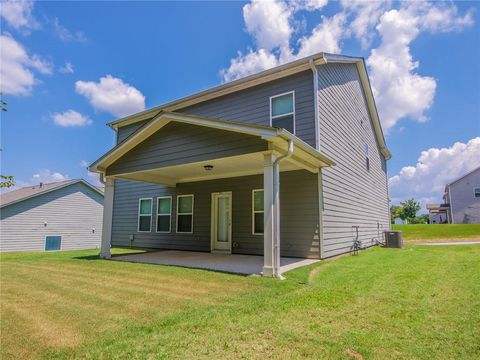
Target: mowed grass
[[416, 303], [439, 232]]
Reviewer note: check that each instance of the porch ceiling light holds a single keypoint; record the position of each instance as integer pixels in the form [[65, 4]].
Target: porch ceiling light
[[208, 167]]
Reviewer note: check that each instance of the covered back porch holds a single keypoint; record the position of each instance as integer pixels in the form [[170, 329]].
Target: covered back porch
[[216, 186]]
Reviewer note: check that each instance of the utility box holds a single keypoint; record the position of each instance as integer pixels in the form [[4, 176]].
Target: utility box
[[393, 239]]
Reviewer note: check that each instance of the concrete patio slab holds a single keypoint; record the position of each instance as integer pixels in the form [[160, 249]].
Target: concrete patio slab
[[238, 264]]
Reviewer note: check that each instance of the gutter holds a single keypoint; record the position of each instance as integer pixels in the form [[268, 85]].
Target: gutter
[[276, 201]]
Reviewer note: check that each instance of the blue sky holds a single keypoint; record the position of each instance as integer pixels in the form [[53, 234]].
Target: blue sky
[[55, 55]]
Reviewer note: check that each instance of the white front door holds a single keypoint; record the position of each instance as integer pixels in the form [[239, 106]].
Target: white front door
[[222, 222]]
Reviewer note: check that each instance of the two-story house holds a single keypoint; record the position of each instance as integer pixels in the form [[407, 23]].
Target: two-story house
[[287, 162]]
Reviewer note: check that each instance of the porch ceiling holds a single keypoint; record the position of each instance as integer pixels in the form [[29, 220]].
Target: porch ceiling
[[234, 166]]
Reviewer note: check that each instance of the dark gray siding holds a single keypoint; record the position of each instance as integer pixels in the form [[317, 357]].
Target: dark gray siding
[[252, 105], [353, 195], [464, 205], [299, 214], [72, 212], [126, 131], [178, 143]]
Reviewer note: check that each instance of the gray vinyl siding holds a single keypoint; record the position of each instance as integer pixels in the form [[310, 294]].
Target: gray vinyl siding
[[252, 106], [353, 195], [71, 212], [464, 205], [299, 214], [126, 131], [178, 143]]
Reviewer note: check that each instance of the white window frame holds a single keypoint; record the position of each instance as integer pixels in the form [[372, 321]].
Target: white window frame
[[158, 214], [255, 212], [474, 188], [282, 115], [151, 215], [193, 207]]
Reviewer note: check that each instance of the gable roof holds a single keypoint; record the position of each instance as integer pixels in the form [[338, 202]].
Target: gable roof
[[29, 192], [266, 76], [462, 177], [267, 133]]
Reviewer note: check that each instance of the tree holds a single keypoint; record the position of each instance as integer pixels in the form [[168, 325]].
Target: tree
[[396, 211], [410, 209]]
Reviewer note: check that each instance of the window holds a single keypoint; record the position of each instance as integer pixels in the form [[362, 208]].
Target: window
[[367, 156], [144, 215], [257, 209], [185, 213], [282, 111], [164, 213], [53, 243], [476, 192]]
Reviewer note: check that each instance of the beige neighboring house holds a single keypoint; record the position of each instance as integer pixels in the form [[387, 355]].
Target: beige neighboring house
[[64, 215], [461, 201]]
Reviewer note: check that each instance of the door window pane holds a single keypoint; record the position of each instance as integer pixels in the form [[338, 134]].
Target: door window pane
[[222, 219]]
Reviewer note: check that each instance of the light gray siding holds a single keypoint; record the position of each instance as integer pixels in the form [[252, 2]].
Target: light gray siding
[[353, 196], [464, 205], [71, 212], [178, 143], [299, 214]]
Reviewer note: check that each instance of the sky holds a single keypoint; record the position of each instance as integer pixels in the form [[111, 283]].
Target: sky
[[68, 68]]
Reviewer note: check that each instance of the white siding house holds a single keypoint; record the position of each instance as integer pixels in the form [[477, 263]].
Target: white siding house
[[57, 216]]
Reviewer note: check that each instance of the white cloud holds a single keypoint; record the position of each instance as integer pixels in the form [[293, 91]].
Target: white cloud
[[70, 118], [44, 176], [252, 62], [435, 168], [268, 21], [365, 16], [67, 68], [66, 35], [112, 95], [309, 5], [18, 14], [16, 75], [325, 37]]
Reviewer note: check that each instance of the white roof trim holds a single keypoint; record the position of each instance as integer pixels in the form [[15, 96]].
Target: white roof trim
[[162, 119]]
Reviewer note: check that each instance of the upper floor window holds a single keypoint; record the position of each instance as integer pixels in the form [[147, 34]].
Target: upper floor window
[[476, 192], [282, 111]]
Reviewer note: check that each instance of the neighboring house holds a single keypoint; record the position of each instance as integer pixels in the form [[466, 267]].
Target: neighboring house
[[399, 221], [461, 201], [203, 173], [63, 215]]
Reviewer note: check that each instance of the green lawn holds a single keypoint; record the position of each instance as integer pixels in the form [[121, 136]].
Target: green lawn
[[432, 232], [417, 303]]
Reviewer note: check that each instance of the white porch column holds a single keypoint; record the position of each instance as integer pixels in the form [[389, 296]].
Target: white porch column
[[107, 218], [269, 214]]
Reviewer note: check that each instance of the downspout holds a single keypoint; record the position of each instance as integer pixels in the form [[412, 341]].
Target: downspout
[[276, 202], [315, 103]]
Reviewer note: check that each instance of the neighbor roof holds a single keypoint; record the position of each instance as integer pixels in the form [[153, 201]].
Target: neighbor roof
[[462, 177], [28, 192], [263, 77]]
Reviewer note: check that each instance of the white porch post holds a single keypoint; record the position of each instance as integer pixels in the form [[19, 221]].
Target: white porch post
[[107, 218], [269, 214]]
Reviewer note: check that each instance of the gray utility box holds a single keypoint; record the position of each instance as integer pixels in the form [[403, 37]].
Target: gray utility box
[[393, 239]]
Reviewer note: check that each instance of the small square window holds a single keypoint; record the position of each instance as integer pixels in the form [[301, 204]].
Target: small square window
[[53, 243]]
